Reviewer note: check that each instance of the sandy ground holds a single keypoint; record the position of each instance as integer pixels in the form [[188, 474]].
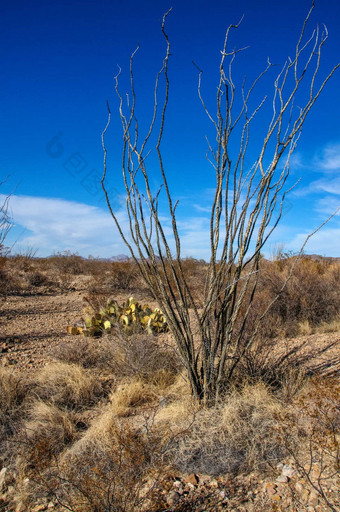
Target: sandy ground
[[32, 326]]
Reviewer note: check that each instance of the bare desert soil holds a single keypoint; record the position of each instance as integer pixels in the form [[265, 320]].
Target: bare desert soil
[[32, 326]]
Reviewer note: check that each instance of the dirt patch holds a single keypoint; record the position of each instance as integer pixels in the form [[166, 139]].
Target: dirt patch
[[32, 326]]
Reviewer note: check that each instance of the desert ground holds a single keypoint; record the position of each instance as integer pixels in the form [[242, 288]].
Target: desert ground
[[108, 422]]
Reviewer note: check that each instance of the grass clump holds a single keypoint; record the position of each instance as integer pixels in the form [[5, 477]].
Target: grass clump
[[132, 395], [232, 437], [13, 392], [68, 385], [48, 429]]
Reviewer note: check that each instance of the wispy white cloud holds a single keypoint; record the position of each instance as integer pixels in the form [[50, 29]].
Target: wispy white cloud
[[328, 205], [52, 225], [329, 185], [325, 242], [203, 209], [326, 159], [326, 163], [329, 158], [55, 224]]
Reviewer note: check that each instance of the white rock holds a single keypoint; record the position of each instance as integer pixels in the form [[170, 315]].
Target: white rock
[[282, 479], [288, 471], [3, 479], [173, 498]]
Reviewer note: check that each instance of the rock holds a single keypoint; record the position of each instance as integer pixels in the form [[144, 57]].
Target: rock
[[163, 401], [192, 479], [305, 495], [223, 495], [299, 487], [282, 479], [40, 507], [3, 479], [179, 486], [276, 497], [172, 498], [270, 488], [288, 471]]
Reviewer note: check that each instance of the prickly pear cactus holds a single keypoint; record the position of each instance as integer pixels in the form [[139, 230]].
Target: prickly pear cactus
[[131, 315]]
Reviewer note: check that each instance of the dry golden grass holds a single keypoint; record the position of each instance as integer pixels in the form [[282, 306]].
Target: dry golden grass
[[13, 391], [49, 429], [132, 395], [68, 385], [330, 326], [232, 437], [177, 406]]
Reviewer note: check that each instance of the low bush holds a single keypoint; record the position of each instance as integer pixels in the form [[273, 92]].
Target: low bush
[[123, 275], [79, 351], [311, 296], [38, 279], [67, 262], [138, 356]]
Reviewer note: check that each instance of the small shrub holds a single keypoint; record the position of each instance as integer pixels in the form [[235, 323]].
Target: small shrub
[[38, 279], [67, 262], [78, 351], [123, 275], [24, 259], [138, 355]]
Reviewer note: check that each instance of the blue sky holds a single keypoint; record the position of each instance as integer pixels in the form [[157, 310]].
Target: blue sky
[[58, 63]]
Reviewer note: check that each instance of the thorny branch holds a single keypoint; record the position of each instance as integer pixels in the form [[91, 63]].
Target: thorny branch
[[246, 208]]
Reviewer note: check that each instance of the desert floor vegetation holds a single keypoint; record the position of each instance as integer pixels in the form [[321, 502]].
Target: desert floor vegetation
[[110, 423]]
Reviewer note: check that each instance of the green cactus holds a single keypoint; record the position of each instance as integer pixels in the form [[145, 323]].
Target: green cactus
[[130, 315]]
